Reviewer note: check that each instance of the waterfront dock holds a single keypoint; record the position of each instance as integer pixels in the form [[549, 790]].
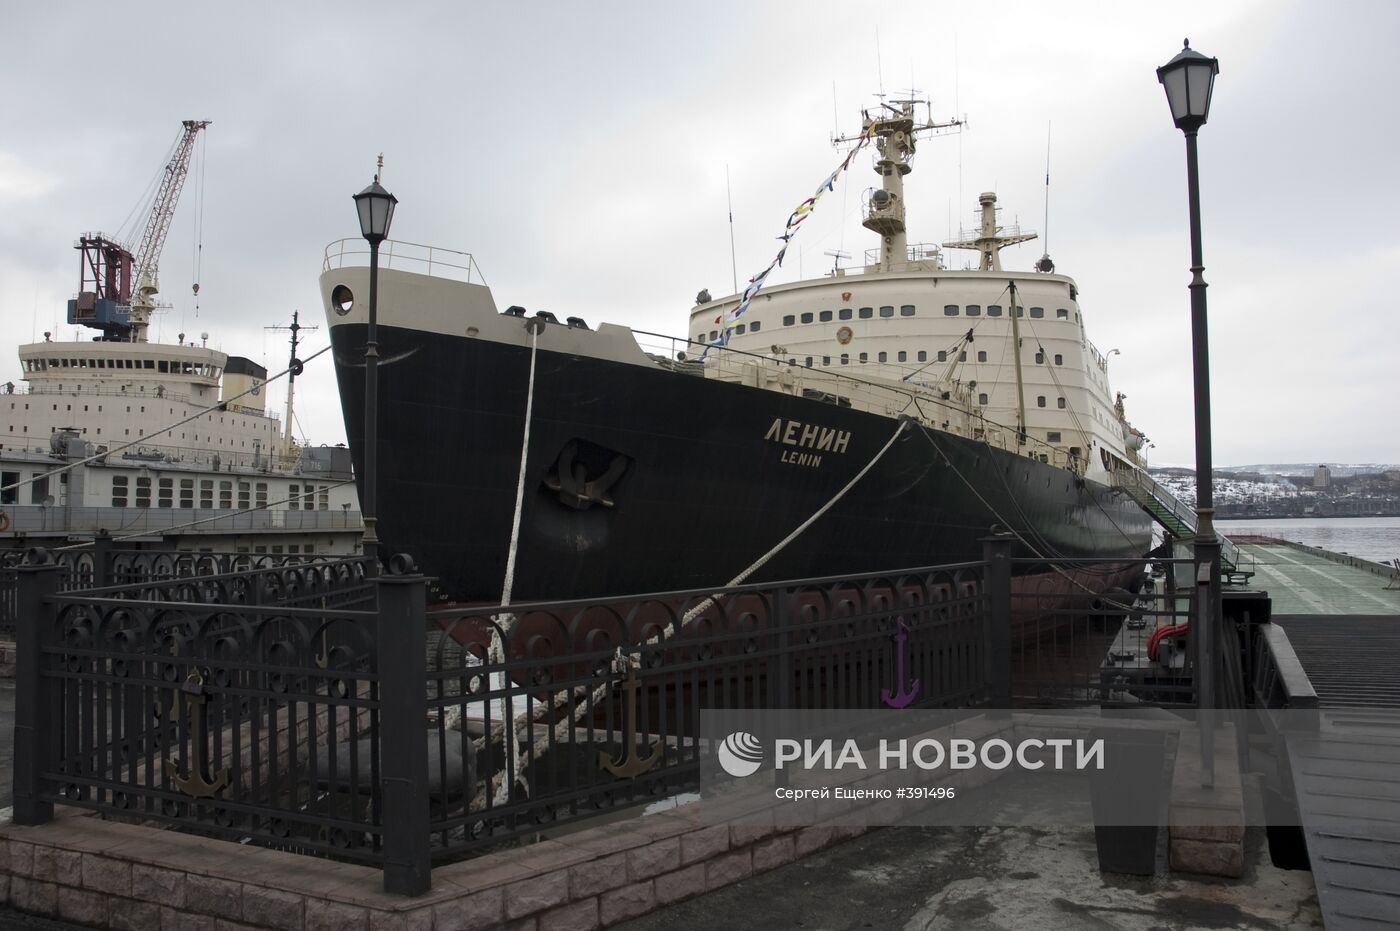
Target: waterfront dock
[[1319, 650]]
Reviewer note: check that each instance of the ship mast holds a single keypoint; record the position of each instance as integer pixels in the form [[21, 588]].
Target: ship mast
[[896, 132], [1015, 311], [294, 368], [990, 239]]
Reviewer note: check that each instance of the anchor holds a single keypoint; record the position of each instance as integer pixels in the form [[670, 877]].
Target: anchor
[[575, 489], [630, 764], [902, 697], [196, 785]]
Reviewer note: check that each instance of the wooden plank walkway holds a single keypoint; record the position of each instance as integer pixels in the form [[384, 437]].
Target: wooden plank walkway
[[1347, 783]]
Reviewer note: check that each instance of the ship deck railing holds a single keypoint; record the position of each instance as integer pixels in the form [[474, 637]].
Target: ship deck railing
[[40, 520], [405, 256], [954, 413]]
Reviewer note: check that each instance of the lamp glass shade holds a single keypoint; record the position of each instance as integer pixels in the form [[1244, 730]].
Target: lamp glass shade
[[376, 209], [1188, 80]]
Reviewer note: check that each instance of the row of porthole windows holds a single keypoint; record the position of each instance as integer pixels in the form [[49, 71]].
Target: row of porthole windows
[[888, 310], [164, 366], [921, 356], [739, 330], [308, 497], [847, 313], [995, 310]]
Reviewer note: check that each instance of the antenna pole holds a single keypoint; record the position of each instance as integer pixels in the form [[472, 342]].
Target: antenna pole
[[1045, 236], [294, 368], [729, 194]]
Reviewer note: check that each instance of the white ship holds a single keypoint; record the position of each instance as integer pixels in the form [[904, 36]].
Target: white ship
[[152, 443]]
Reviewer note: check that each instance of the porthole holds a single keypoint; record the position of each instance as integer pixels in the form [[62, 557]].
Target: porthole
[[342, 299]]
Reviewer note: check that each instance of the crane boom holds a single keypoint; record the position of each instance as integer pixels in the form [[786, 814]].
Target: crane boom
[[163, 209]]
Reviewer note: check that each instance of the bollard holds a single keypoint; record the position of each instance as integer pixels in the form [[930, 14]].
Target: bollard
[[401, 647], [37, 698]]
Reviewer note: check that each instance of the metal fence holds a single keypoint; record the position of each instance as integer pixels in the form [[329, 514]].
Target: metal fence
[[103, 564], [316, 709], [603, 697]]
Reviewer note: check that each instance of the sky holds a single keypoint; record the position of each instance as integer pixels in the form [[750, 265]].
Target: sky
[[587, 154]]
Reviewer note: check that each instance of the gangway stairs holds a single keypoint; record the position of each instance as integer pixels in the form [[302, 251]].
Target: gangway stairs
[[1174, 516]]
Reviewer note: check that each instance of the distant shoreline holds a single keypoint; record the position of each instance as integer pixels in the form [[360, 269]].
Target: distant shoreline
[[1306, 516]]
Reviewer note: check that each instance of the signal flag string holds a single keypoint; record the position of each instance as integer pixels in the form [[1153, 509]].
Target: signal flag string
[[795, 220]]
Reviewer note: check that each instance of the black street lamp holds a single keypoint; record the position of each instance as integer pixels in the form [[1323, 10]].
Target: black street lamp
[[376, 209], [1188, 79]]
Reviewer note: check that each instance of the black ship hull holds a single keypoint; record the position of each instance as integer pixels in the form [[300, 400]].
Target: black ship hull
[[642, 479]]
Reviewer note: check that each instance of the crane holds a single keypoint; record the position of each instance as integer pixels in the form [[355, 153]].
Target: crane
[[111, 276]]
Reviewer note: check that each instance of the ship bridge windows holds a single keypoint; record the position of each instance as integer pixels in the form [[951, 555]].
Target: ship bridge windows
[[867, 312], [973, 310], [902, 356], [807, 317], [887, 310], [1059, 359], [982, 398], [844, 313], [906, 310], [942, 355], [865, 357], [950, 310], [923, 355], [1060, 403], [755, 326], [1040, 401], [1037, 313], [962, 356], [1040, 358], [1052, 436], [739, 330], [845, 358], [1061, 313], [982, 355], [883, 357], [825, 316], [789, 319]]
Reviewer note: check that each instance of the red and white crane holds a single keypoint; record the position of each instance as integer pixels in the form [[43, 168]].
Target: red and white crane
[[115, 287]]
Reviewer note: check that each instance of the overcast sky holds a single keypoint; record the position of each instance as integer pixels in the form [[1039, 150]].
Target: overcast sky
[[579, 151]]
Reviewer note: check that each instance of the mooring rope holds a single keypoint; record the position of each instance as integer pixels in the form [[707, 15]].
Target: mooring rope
[[560, 730], [505, 621]]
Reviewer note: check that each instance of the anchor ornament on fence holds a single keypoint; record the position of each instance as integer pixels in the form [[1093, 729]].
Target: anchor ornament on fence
[[631, 763], [902, 696], [195, 784]]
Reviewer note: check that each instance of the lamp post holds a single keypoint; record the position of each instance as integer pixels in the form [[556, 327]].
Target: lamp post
[[1188, 79], [376, 209]]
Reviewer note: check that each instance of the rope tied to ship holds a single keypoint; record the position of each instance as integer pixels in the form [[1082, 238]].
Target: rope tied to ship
[[559, 730], [505, 620]]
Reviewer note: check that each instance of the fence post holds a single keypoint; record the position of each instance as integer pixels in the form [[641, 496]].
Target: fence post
[[37, 698], [401, 645], [102, 560], [783, 610], [996, 552]]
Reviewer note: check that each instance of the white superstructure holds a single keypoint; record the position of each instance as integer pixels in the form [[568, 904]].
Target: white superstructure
[[222, 480], [987, 353]]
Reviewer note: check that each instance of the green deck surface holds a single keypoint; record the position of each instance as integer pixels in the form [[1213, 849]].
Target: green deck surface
[[1302, 583]]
